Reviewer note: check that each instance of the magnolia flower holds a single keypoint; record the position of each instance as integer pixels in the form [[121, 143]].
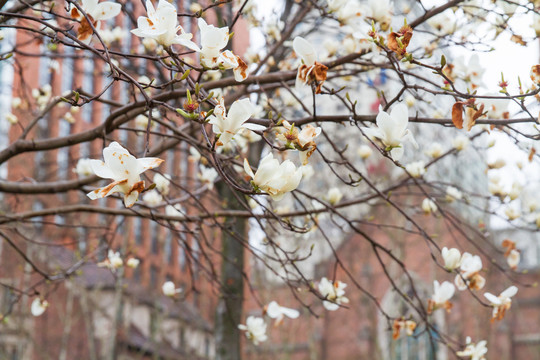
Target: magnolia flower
[[133, 263], [408, 325], [113, 261], [428, 206], [435, 150], [208, 176], [84, 167], [176, 210], [333, 292], [392, 130], [162, 26], [227, 125], [169, 289], [152, 198], [303, 140], [469, 276], [452, 258], [213, 40], [513, 259], [16, 102], [460, 142], [38, 307], [364, 151], [334, 195], [416, 169], [162, 183], [255, 329], [380, 12], [310, 70], [453, 194], [442, 293], [11, 118], [125, 170], [474, 351], [274, 311], [501, 303], [512, 213], [274, 178], [516, 190], [95, 12]]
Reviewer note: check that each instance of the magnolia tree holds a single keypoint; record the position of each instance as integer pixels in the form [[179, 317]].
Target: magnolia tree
[[336, 108]]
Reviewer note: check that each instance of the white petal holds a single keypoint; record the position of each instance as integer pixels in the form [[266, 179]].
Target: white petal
[[106, 10], [239, 112], [100, 169], [511, 291], [247, 168], [305, 50], [492, 299], [144, 164]]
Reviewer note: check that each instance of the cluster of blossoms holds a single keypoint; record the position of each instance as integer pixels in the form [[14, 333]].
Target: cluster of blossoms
[[255, 327], [469, 267], [333, 293], [114, 261]]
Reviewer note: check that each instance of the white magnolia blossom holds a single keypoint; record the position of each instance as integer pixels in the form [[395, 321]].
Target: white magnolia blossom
[[365, 151], [84, 167], [334, 195], [255, 329], [392, 130], [124, 169], [452, 258], [515, 191], [229, 124], [513, 259], [428, 206], [38, 307], [416, 169], [469, 276], [334, 293], [162, 183], [169, 289], [152, 198], [208, 176], [381, 11], [11, 118], [175, 210], [162, 26], [213, 40], [443, 23], [141, 121], [307, 53], [113, 261], [97, 12], [474, 351], [460, 142], [502, 302], [133, 263], [453, 194], [274, 178], [16, 102], [275, 311], [442, 293], [512, 213], [435, 150]]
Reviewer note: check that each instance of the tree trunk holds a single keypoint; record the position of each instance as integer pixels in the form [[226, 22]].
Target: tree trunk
[[229, 309]]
